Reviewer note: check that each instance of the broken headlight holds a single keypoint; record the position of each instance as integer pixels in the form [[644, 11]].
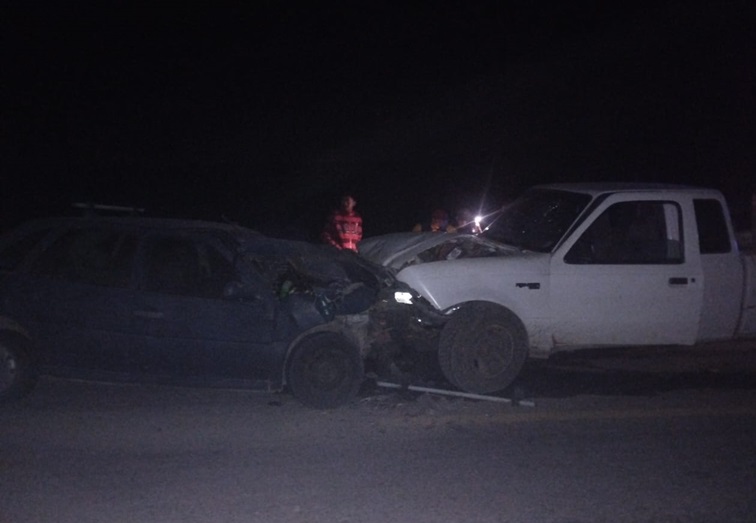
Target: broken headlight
[[404, 297]]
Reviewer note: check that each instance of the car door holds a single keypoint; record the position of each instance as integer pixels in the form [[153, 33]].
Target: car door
[[191, 328], [75, 298], [627, 279]]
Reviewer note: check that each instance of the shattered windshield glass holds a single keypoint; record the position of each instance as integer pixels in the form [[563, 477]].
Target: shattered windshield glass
[[538, 219], [318, 265]]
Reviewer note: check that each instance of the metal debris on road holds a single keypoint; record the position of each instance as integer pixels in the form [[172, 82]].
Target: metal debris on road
[[468, 395]]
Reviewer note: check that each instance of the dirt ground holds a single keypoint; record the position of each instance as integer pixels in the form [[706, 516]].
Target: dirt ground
[[76, 451]]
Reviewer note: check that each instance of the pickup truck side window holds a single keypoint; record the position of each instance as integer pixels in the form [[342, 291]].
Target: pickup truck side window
[[635, 232], [713, 236]]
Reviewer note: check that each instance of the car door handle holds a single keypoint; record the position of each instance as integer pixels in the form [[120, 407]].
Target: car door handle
[[678, 281], [152, 315]]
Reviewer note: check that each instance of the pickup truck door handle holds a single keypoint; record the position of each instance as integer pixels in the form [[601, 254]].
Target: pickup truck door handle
[[678, 281]]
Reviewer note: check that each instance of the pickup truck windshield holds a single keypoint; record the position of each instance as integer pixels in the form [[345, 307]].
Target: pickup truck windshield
[[538, 219]]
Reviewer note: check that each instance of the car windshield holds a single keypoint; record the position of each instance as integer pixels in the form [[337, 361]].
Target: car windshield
[[319, 263], [538, 219]]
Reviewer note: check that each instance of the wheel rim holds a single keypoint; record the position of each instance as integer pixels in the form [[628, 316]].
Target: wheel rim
[[490, 354], [326, 370]]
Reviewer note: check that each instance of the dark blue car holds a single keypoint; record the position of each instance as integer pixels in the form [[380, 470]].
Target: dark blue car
[[185, 301]]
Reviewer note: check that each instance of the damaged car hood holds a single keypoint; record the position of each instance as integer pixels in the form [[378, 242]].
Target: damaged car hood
[[330, 281], [320, 263]]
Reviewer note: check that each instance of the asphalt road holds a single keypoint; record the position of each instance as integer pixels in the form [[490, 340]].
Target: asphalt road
[[611, 436]]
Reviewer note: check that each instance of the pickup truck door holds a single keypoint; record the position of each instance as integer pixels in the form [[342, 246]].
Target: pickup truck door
[[627, 277]]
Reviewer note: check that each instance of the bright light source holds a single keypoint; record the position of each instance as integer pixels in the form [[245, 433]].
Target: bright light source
[[478, 219], [403, 297]]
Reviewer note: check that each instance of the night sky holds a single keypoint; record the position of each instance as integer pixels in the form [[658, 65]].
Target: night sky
[[265, 115]]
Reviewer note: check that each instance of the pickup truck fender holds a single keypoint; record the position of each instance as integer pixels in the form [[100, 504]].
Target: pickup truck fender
[[519, 283]]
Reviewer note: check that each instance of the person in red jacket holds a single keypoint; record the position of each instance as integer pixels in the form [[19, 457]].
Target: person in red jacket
[[344, 227]]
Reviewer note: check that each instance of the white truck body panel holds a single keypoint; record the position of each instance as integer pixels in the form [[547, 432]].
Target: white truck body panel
[[446, 284], [616, 305], [747, 325], [722, 298]]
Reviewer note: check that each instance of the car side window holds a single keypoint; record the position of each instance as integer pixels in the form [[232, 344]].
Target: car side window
[[635, 232], [94, 256], [186, 267]]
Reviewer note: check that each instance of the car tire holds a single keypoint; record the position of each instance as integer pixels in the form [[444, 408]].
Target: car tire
[[18, 374], [325, 371], [483, 348]]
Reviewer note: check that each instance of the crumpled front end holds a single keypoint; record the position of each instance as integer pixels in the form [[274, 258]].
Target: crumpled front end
[[319, 288], [403, 334]]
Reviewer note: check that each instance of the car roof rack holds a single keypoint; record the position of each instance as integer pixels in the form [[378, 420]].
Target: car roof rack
[[94, 209]]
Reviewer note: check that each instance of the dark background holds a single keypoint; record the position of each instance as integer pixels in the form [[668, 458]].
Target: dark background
[[265, 115]]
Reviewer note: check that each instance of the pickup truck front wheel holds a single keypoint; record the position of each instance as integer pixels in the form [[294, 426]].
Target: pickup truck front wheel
[[482, 348]]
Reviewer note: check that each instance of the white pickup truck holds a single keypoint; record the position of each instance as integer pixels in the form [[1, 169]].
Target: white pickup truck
[[571, 266]]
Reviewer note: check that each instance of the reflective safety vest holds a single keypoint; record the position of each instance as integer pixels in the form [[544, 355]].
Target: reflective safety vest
[[344, 230]]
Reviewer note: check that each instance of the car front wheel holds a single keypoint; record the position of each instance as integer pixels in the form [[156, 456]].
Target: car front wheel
[[17, 371], [482, 348], [325, 371]]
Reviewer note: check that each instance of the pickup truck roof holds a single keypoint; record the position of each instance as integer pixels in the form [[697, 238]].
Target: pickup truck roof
[[595, 188]]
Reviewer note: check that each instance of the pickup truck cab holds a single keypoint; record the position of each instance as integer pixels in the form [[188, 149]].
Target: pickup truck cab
[[585, 266]]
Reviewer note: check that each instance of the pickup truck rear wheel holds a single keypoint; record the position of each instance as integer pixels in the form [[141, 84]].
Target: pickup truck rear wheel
[[325, 371], [482, 348], [18, 374]]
